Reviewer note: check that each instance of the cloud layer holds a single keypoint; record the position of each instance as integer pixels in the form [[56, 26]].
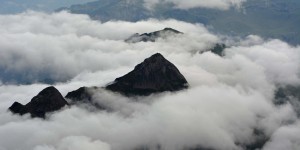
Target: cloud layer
[[230, 98], [188, 4], [36, 46]]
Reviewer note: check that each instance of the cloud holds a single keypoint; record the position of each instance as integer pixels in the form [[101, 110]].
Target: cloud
[[76, 143], [58, 47], [229, 101], [286, 137], [280, 60], [188, 4]]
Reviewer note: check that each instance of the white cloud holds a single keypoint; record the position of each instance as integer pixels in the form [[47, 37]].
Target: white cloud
[[286, 137], [229, 97], [76, 143], [37, 46], [187, 4], [279, 60]]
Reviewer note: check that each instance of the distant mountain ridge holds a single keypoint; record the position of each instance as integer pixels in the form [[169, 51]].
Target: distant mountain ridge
[[106, 10], [152, 36], [267, 18], [18, 6]]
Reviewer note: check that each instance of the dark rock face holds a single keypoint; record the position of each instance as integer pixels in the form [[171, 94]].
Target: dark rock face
[[218, 49], [80, 95], [151, 37], [16, 107], [155, 74], [48, 100], [84, 95]]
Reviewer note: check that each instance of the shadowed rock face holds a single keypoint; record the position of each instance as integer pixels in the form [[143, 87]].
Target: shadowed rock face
[[84, 95], [16, 107], [153, 36], [48, 100], [155, 74], [81, 94], [218, 49]]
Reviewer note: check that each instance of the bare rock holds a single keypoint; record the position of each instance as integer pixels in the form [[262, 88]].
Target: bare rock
[[48, 100], [156, 74]]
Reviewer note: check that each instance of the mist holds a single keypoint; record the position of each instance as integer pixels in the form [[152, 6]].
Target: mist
[[229, 98], [188, 4]]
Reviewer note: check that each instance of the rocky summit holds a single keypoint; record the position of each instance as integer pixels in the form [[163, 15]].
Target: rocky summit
[[153, 36], [84, 95], [48, 100], [80, 95], [156, 74]]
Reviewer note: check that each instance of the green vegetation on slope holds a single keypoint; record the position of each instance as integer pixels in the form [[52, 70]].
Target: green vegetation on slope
[[269, 19]]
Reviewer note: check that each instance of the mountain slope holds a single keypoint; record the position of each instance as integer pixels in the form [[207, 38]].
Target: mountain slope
[[155, 74], [18, 6], [48, 100], [270, 19], [105, 10]]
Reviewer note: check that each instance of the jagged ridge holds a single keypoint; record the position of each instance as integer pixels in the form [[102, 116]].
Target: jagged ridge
[[155, 74], [48, 100], [153, 36]]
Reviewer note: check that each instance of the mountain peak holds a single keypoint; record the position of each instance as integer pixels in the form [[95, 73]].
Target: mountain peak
[[152, 36], [155, 62], [156, 55], [155, 74], [48, 91], [171, 29], [48, 100]]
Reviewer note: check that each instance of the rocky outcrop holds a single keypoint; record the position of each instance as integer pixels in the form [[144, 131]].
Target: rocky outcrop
[[155, 74], [153, 36], [17, 107], [48, 100], [218, 49], [84, 95], [80, 95]]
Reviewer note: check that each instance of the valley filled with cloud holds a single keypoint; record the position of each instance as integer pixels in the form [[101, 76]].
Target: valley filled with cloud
[[230, 104]]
